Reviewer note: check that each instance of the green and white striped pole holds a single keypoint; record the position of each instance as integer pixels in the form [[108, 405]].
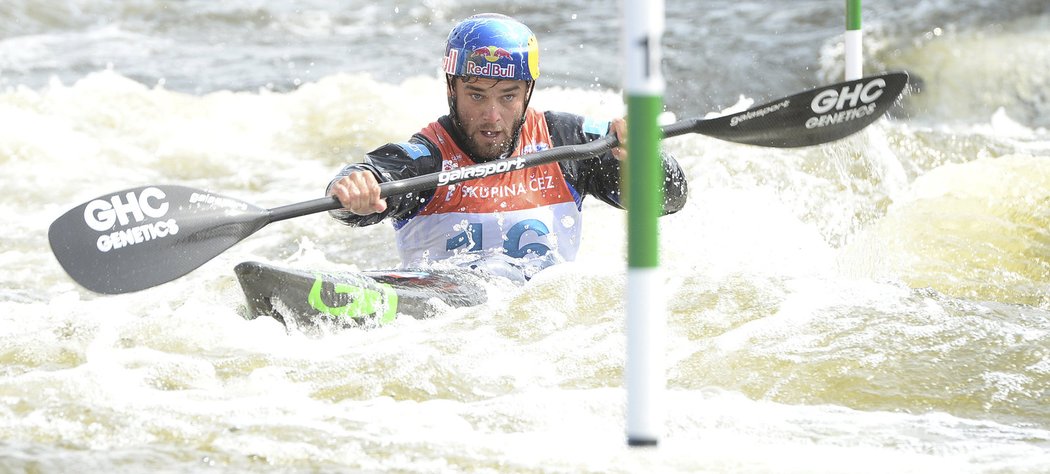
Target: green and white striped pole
[[854, 60], [644, 176]]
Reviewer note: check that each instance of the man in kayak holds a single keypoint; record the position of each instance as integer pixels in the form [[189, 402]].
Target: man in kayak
[[523, 220]]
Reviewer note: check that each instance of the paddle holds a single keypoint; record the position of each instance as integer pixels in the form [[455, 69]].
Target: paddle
[[142, 237]]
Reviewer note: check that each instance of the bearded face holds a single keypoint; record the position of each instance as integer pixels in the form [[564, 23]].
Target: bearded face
[[490, 113]]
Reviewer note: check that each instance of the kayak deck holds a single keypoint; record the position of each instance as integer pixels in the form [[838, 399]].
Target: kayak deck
[[305, 300]]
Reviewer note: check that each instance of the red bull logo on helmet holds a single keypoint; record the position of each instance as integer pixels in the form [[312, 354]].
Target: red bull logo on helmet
[[491, 53], [480, 62], [485, 61], [490, 70]]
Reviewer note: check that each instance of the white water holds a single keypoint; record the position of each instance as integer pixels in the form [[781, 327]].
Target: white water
[[876, 305]]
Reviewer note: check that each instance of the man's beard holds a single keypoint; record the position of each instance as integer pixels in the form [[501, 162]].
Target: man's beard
[[481, 152]]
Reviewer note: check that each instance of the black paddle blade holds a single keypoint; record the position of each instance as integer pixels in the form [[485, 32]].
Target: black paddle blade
[[813, 117], [142, 237]]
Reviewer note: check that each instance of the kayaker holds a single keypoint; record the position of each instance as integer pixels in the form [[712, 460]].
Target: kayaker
[[531, 217]]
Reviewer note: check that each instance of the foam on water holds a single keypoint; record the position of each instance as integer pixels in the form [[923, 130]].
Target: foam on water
[[876, 305]]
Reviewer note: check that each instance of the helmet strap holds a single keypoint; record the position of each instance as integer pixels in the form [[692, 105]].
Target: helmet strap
[[450, 86]]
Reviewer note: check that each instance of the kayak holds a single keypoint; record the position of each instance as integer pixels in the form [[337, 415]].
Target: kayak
[[306, 300]]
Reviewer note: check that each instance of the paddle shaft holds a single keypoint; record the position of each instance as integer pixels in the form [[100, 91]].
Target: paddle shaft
[[433, 180]]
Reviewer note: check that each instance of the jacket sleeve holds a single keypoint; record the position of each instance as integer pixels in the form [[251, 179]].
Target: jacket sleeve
[[600, 176], [392, 162]]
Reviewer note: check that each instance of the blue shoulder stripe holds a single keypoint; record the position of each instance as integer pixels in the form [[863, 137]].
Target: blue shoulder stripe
[[414, 150], [595, 127]]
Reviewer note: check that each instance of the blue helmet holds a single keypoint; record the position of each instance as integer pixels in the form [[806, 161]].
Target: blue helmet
[[492, 46]]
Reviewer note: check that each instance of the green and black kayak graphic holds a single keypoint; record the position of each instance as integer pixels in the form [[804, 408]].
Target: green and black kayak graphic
[[307, 299]]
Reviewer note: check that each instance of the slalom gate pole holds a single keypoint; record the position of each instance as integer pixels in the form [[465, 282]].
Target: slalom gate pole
[[644, 86], [854, 35]]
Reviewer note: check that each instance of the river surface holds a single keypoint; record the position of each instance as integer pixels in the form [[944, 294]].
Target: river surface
[[880, 304]]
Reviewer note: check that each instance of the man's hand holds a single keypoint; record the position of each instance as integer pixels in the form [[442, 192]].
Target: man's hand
[[359, 193]]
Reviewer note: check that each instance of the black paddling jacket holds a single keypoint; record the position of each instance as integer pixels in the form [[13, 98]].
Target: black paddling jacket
[[598, 176]]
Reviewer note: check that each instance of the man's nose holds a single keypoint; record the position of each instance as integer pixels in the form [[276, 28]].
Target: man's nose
[[491, 112]]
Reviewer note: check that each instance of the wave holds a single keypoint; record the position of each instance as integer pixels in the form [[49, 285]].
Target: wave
[[977, 230]]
